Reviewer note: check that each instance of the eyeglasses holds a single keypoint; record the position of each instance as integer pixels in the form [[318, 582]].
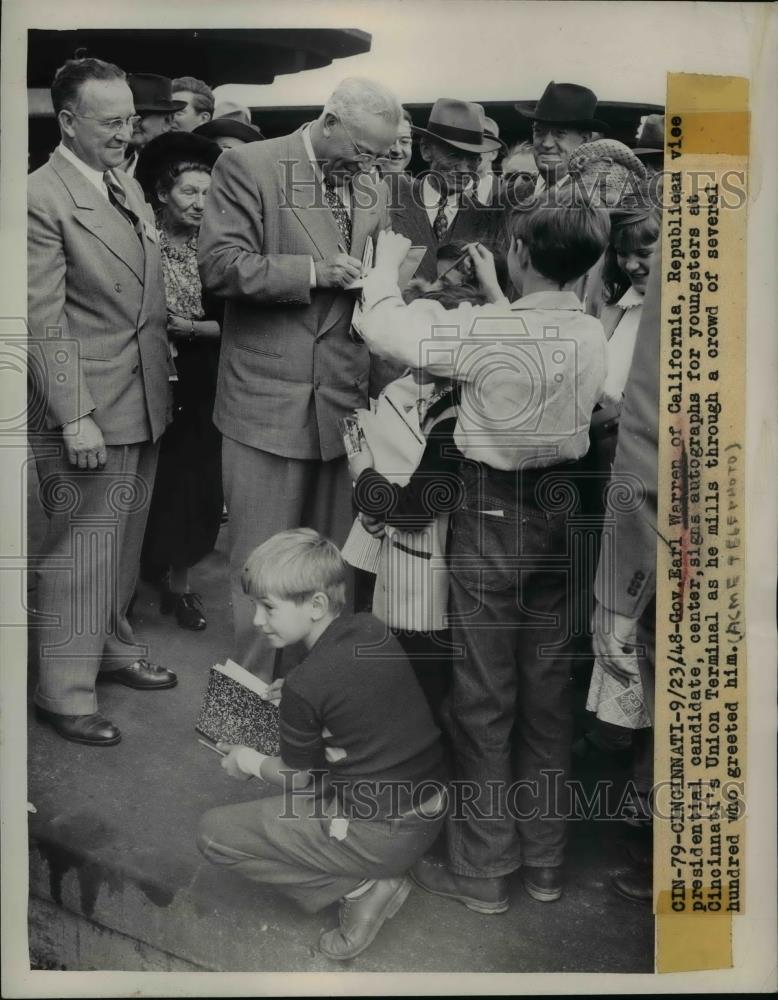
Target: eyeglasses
[[362, 158], [112, 124]]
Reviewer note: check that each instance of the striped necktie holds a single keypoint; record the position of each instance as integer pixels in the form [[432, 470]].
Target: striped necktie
[[338, 209], [118, 199]]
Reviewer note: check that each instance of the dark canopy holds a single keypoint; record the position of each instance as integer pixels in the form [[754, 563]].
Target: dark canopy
[[216, 55]]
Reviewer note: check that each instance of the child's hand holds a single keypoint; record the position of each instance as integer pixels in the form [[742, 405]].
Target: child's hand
[[391, 249], [483, 264], [360, 461], [373, 525], [230, 762], [273, 694]]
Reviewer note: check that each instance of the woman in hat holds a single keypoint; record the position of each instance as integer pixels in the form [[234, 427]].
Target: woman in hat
[[229, 133], [175, 173]]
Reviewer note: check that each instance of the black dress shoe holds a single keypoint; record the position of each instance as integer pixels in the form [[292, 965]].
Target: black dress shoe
[[91, 730], [361, 919], [142, 675], [188, 609], [543, 884], [635, 885]]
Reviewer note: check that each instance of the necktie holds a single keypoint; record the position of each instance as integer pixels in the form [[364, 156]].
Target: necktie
[[338, 210], [440, 225], [118, 199]]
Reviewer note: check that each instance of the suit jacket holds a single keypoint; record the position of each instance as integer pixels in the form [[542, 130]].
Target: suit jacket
[[628, 585], [288, 367], [96, 308], [473, 221]]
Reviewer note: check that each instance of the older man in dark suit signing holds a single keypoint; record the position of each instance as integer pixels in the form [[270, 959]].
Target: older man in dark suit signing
[[99, 398], [283, 233]]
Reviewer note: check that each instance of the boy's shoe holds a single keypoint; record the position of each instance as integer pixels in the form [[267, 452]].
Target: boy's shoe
[[483, 895], [361, 919], [543, 884]]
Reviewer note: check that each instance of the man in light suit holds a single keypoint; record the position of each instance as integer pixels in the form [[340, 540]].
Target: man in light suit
[[284, 231], [99, 398]]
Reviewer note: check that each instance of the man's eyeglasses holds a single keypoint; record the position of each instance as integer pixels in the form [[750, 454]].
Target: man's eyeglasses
[[112, 124], [362, 158]]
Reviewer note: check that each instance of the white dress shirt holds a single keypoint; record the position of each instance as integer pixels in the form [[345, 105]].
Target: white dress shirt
[[343, 191], [430, 197], [621, 346], [95, 177]]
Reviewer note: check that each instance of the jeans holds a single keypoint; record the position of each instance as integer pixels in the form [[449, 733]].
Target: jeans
[[510, 704]]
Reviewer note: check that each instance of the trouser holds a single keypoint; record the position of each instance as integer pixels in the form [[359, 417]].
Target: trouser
[[266, 494], [287, 843], [429, 654], [510, 705], [88, 569]]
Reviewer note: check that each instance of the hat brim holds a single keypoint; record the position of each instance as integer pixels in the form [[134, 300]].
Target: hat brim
[[169, 147], [486, 145], [584, 124], [160, 107], [229, 127]]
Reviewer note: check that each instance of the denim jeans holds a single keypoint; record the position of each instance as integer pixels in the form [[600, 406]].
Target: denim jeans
[[509, 712]]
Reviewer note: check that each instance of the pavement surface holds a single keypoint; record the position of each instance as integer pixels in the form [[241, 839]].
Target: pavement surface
[[112, 842]]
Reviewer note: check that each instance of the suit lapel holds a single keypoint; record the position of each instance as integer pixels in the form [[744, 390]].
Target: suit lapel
[[96, 214], [306, 199]]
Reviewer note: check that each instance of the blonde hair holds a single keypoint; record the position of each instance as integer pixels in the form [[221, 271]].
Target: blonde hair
[[293, 566]]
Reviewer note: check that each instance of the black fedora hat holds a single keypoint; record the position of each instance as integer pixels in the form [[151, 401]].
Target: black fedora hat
[[218, 127], [169, 148], [651, 139], [459, 124], [152, 93], [565, 104]]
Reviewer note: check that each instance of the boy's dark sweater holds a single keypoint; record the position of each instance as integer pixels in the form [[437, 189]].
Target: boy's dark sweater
[[434, 488], [357, 685]]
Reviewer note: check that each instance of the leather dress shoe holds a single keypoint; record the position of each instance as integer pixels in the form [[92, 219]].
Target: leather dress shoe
[[142, 675], [635, 885], [543, 884], [188, 609], [91, 730], [483, 895], [359, 920]]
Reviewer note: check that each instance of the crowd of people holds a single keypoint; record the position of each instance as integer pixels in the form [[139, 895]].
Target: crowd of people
[[198, 349]]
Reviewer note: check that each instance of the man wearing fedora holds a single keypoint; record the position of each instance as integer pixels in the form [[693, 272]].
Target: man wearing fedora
[[562, 120], [154, 107], [441, 205], [229, 133]]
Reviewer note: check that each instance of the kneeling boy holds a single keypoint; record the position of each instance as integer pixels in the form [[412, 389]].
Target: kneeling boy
[[353, 709]]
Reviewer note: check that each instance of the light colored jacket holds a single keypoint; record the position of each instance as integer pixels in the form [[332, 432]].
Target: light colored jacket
[[288, 367], [96, 308]]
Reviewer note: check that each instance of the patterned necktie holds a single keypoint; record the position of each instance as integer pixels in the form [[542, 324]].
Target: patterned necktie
[[440, 225], [118, 199], [338, 210]]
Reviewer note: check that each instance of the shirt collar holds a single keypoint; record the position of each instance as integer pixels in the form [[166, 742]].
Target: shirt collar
[[630, 299], [430, 195], [95, 177], [549, 300]]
